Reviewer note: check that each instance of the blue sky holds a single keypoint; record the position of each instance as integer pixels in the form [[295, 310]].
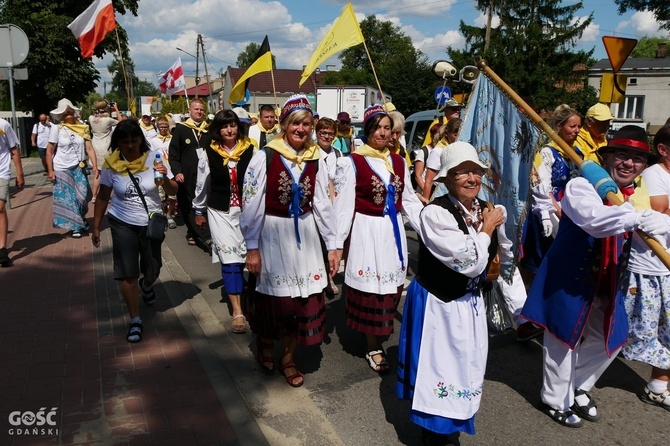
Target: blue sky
[[295, 27]]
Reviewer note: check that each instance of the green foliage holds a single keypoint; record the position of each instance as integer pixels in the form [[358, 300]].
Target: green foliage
[[533, 52], [660, 8], [175, 106], [248, 56], [647, 46], [403, 71], [55, 66]]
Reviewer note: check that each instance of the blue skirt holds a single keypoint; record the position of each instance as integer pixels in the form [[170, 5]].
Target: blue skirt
[[408, 362], [71, 195]]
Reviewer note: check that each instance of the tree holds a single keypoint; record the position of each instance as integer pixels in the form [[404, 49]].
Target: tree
[[403, 71], [55, 66], [532, 50], [647, 46], [248, 56], [660, 9]]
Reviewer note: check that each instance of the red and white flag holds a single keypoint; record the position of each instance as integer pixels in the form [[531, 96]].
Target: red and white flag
[[92, 25], [173, 79]]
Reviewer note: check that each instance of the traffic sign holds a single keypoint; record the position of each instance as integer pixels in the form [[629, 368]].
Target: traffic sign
[[244, 101], [618, 49], [14, 45], [442, 95]]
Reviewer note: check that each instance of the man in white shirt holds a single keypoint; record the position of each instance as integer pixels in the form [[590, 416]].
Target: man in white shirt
[[266, 128], [9, 150], [40, 138]]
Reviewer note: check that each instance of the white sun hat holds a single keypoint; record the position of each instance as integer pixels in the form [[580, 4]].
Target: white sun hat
[[63, 104], [456, 154]]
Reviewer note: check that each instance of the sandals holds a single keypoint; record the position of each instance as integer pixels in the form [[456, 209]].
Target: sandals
[[567, 418], [239, 327], [584, 411], [291, 379], [135, 332], [191, 240], [148, 296], [267, 363], [379, 367], [657, 399], [171, 223]]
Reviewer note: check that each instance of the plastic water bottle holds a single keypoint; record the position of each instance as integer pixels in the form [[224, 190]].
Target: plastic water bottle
[[158, 177]]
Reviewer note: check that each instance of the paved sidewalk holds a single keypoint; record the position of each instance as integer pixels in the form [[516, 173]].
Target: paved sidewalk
[[64, 351]]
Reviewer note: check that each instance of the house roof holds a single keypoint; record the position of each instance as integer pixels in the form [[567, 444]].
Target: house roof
[[636, 64], [202, 91], [286, 81]]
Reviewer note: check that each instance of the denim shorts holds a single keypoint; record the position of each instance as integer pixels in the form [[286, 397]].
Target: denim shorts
[[43, 152]]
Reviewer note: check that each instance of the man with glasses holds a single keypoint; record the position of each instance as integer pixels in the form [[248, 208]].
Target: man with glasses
[[592, 135], [576, 293], [40, 138]]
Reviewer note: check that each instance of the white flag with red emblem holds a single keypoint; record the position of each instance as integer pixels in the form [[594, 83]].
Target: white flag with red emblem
[[92, 25], [173, 79]]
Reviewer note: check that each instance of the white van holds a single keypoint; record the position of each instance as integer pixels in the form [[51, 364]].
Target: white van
[[416, 128]]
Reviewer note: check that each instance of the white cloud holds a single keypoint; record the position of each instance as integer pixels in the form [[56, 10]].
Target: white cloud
[[591, 32], [622, 25], [418, 8], [481, 20], [645, 24]]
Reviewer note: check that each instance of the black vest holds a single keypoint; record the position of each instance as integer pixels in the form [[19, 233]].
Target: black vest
[[219, 189], [440, 280]]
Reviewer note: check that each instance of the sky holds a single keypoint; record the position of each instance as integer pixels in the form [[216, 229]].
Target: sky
[[295, 28]]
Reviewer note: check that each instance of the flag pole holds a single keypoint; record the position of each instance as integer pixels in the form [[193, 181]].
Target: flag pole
[[274, 89], [374, 72], [123, 66], [654, 245]]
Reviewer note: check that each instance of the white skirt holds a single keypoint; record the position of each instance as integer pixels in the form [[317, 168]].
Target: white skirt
[[228, 244]]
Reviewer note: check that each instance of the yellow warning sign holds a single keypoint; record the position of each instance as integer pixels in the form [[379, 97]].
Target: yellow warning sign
[[613, 88], [618, 49]]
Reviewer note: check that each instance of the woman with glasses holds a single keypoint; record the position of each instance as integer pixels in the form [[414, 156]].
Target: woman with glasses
[[444, 337], [373, 191]]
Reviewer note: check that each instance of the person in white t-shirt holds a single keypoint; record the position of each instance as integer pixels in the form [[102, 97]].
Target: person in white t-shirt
[[9, 150], [128, 218], [40, 138]]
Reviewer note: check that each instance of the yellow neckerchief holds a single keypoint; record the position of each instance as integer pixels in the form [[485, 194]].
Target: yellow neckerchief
[[116, 162], [200, 128], [397, 149], [241, 146], [588, 146], [2, 133], [288, 152], [441, 143], [79, 129], [271, 130], [366, 150], [347, 135], [640, 198], [147, 127], [163, 138]]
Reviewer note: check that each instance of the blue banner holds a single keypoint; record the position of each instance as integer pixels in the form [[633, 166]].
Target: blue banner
[[506, 140]]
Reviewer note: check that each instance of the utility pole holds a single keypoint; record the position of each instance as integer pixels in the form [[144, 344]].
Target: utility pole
[[210, 106], [197, 62], [489, 18]]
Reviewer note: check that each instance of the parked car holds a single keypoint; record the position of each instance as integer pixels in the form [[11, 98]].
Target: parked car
[[416, 128]]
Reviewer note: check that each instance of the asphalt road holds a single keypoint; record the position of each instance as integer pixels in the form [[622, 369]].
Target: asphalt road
[[344, 403]]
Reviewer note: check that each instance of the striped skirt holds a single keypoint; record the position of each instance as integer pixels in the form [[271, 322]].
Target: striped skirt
[[372, 314], [71, 195], [272, 317]]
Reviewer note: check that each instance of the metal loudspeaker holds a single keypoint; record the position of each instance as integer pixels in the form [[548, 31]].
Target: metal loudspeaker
[[469, 74], [444, 69]]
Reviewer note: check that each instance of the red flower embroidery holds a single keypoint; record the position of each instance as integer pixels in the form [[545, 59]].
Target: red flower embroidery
[[317, 277], [360, 272]]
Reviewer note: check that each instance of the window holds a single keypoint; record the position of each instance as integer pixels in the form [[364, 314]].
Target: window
[[632, 108], [632, 81]]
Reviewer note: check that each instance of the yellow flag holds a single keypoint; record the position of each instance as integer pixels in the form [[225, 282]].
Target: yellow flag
[[264, 63], [344, 33], [133, 107]]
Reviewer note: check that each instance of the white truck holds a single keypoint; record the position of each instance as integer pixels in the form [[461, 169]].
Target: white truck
[[331, 100]]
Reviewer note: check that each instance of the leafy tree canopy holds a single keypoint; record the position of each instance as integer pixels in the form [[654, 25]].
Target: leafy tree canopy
[[403, 71], [55, 66], [647, 46], [532, 50], [660, 9], [248, 56]]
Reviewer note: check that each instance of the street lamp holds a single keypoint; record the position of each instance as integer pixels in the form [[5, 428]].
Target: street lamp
[[183, 51]]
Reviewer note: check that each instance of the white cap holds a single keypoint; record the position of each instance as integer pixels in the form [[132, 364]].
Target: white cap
[[242, 114], [456, 154]]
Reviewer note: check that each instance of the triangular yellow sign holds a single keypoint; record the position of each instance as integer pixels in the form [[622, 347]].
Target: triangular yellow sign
[[618, 49]]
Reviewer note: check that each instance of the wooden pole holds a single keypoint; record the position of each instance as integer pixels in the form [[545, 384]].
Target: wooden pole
[[274, 89], [655, 246], [123, 66], [374, 72]]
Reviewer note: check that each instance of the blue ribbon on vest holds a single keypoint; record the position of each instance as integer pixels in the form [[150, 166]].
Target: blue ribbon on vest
[[390, 210], [294, 209]]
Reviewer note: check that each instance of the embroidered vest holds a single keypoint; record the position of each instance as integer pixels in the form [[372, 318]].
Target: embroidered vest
[[370, 189], [279, 181], [440, 280], [220, 187]]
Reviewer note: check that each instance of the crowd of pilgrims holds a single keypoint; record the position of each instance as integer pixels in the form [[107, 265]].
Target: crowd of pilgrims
[[289, 196]]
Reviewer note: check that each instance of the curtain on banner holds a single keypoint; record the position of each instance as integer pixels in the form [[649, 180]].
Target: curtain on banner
[[507, 141]]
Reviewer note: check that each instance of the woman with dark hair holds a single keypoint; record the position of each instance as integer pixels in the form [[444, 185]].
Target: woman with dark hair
[[129, 166], [218, 191], [286, 207], [373, 192]]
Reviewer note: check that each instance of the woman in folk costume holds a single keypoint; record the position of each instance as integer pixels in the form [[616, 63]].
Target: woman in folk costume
[[285, 207], [374, 188], [444, 336], [577, 294], [218, 192], [647, 294], [551, 172], [69, 143]]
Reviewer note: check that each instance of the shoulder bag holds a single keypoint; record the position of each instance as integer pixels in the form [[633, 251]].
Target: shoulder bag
[[157, 220]]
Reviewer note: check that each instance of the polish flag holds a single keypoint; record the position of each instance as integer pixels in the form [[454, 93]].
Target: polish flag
[[173, 79], [92, 25]]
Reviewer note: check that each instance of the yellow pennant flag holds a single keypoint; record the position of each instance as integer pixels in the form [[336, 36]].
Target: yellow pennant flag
[[344, 33], [262, 63]]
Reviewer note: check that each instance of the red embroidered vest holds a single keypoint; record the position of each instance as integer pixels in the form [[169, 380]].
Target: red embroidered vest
[[279, 181], [370, 189]]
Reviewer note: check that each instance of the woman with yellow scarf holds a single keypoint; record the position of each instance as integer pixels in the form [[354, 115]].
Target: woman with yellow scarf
[[373, 192], [69, 144], [285, 207], [218, 202]]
